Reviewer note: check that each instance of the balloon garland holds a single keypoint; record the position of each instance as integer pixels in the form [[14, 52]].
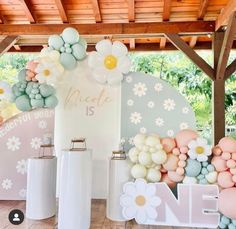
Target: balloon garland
[[190, 160]]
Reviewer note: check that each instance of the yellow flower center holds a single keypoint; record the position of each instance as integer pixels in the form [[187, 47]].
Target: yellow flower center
[[140, 200], [1, 91], [110, 62], [199, 150], [46, 72]]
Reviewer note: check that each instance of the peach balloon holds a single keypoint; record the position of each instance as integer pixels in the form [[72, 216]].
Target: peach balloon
[[183, 157], [226, 206], [182, 164], [228, 144], [32, 65], [226, 155], [175, 176], [171, 163], [168, 181], [168, 144], [184, 149], [233, 171], [183, 137], [216, 150], [176, 151], [233, 156], [234, 178], [231, 164], [219, 163], [225, 180], [180, 171]]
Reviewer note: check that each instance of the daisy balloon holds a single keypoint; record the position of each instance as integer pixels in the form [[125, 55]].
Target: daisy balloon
[[109, 62], [5, 91]]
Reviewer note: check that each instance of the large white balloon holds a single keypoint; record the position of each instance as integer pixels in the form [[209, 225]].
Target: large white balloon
[[133, 154], [139, 139], [144, 158], [138, 171], [159, 157], [153, 175]]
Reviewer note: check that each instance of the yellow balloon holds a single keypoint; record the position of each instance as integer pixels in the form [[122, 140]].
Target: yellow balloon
[[110, 62]]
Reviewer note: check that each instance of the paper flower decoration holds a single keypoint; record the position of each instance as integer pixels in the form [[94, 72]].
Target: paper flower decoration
[[139, 201], [5, 91], [70, 45], [110, 62], [199, 149]]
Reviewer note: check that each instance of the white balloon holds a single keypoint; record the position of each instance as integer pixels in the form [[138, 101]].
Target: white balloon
[[144, 158], [153, 175], [211, 177], [190, 180], [159, 146], [138, 171], [145, 148], [139, 139], [152, 150], [152, 141], [159, 157], [133, 154]]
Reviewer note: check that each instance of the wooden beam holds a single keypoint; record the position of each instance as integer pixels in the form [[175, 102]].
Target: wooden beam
[[27, 7], [230, 69], [96, 10], [193, 41], [224, 16], [111, 29], [166, 10], [202, 9], [62, 11], [131, 10], [17, 47], [226, 47], [163, 43], [7, 43], [132, 44], [192, 55], [2, 18]]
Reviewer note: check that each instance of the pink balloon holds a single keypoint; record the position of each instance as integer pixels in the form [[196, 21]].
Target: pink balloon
[[185, 136], [171, 163], [174, 176], [31, 65], [228, 144], [219, 163], [225, 180], [216, 150], [168, 144], [226, 202]]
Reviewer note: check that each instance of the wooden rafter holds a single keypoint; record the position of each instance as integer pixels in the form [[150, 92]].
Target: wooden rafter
[[111, 29], [27, 7], [224, 16], [7, 43], [132, 43], [202, 9], [62, 11], [131, 10], [193, 56], [2, 18], [193, 41], [226, 47], [230, 69], [17, 47], [96, 10], [166, 10], [163, 43]]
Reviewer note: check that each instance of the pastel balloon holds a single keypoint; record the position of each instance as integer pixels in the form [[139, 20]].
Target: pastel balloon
[[51, 101], [225, 180], [226, 155], [211, 177], [138, 171], [22, 74], [172, 162], [152, 140], [139, 139], [190, 180], [175, 176], [144, 158], [216, 150], [193, 168], [159, 157], [133, 154], [153, 175], [70, 35], [226, 206], [78, 51], [68, 61], [32, 65], [37, 103], [183, 137], [231, 164], [55, 41], [168, 181], [23, 103], [228, 144], [219, 163], [46, 90], [168, 144]]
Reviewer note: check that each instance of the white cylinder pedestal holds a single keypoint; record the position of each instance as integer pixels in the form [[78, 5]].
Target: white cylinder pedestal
[[119, 174], [41, 188], [75, 190]]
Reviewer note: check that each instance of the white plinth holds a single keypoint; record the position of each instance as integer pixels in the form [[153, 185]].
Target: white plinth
[[75, 190], [119, 174], [41, 188]]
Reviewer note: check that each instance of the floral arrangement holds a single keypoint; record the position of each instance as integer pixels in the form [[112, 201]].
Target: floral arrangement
[[189, 159]]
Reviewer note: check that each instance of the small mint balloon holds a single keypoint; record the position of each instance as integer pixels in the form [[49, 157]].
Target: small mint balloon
[[67, 45], [78, 51], [22, 74], [68, 61], [16, 91], [68, 50], [51, 101], [37, 103], [38, 96], [46, 90], [70, 35], [62, 49], [55, 41], [23, 103]]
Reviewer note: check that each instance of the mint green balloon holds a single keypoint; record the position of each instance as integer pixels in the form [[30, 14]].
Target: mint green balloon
[[83, 42], [16, 91], [70, 35], [55, 41], [37, 103], [68, 61], [46, 90], [22, 74], [29, 87], [23, 103], [51, 101], [78, 51], [193, 168]]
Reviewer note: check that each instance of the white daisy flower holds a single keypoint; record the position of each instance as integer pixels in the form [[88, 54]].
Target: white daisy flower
[[7, 184], [140, 89], [36, 143], [139, 201], [128, 79], [183, 126], [109, 62], [170, 133], [185, 110], [122, 141], [169, 104], [42, 124], [158, 87], [130, 102], [151, 104], [143, 130], [159, 122], [5, 91], [13, 143], [199, 149], [21, 167], [131, 141], [135, 118], [22, 193]]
